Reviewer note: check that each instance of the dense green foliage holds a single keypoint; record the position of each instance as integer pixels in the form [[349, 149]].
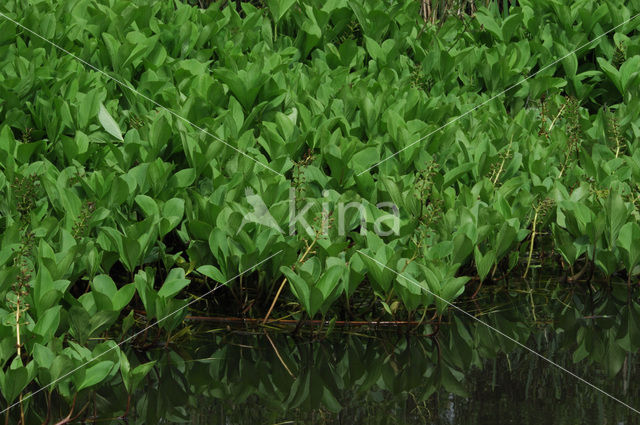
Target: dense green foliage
[[110, 201]]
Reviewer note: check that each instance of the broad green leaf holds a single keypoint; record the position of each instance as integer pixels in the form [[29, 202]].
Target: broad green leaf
[[489, 23], [96, 374], [47, 325], [212, 272], [629, 242], [299, 287], [148, 205], [14, 380], [611, 72], [108, 123], [174, 283], [123, 296], [279, 7], [484, 262]]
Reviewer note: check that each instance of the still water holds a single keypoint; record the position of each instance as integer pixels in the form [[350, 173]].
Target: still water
[[464, 374]]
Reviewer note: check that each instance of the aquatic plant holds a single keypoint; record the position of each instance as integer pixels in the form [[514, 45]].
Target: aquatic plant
[[128, 182]]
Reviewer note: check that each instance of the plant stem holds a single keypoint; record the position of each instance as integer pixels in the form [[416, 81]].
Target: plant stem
[[22, 422], [533, 237], [273, 303], [533, 306], [18, 348], [504, 158], [19, 352], [556, 118], [278, 355]]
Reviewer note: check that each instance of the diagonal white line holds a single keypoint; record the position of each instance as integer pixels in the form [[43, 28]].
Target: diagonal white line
[[128, 87], [502, 334], [139, 332], [502, 92]]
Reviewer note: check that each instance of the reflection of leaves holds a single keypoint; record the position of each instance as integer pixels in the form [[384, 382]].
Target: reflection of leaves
[[629, 333]]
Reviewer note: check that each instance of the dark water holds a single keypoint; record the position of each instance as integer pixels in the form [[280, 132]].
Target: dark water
[[460, 372], [465, 374], [391, 380]]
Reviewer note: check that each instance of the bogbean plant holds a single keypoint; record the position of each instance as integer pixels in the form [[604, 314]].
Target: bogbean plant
[[112, 203]]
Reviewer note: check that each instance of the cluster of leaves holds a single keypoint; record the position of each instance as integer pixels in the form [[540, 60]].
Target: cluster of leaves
[[137, 194]]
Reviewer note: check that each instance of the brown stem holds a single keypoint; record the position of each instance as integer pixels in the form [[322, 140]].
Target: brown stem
[[66, 419], [477, 290], [278, 355], [341, 323], [22, 422], [46, 419], [556, 118], [578, 275], [81, 411], [19, 352], [504, 158], [533, 237], [18, 344], [126, 412], [273, 303]]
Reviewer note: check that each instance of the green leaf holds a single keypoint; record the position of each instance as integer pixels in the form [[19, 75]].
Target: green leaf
[[174, 283], [629, 242], [48, 324], [611, 72], [453, 174], [108, 123], [104, 284], [616, 213], [14, 380], [183, 178], [629, 332], [212, 272], [279, 7], [452, 288], [484, 262], [78, 318], [125, 370], [130, 253], [504, 240], [88, 107], [489, 23], [329, 280], [299, 287], [138, 374], [570, 63], [629, 73], [123, 296], [96, 374], [101, 321], [148, 205], [43, 356], [173, 208]]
